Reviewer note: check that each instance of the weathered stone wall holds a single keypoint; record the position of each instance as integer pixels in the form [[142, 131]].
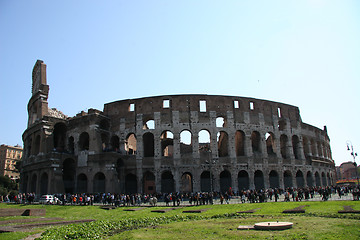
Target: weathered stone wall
[[137, 145]]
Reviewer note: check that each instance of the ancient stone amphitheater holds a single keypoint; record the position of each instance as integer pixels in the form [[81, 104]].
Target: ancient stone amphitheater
[[173, 143]]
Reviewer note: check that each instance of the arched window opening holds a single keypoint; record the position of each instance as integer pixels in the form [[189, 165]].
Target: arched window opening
[[71, 145], [255, 142], [320, 153], [328, 179], [206, 181], [99, 183], [68, 172], [220, 122], [309, 179], [130, 144], [323, 179], [300, 179], [223, 141], [149, 183], [59, 137], [104, 142], [288, 183], [150, 124], [185, 142], [148, 141], [274, 179], [37, 145], [306, 147], [33, 183], [28, 147], [283, 146], [115, 143], [44, 180], [313, 147], [167, 182], [204, 141], [240, 143], [82, 183], [296, 146], [243, 180], [84, 141], [225, 182], [130, 184], [270, 144], [104, 125], [282, 125], [186, 183], [259, 180], [317, 179], [167, 144]]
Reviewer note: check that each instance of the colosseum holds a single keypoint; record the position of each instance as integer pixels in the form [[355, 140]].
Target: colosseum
[[172, 143]]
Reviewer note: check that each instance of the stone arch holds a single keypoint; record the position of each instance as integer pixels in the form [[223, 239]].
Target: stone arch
[[243, 180], [317, 179], [104, 142], [296, 146], [84, 141], [306, 147], [282, 125], [37, 145], [25, 181], [319, 149], [204, 141], [149, 124], [68, 170], [99, 183], [274, 179], [130, 144], [33, 183], [71, 145], [328, 179], [44, 181], [82, 183], [167, 143], [240, 143], [185, 142], [221, 122], [309, 179], [313, 147], [186, 183], [104, 124], [255, 142], [167, 182], [283, 146], [270, 144], [323, 179], [223, 143], [288, 181], [259, 180], [206, 181], [148, 144], [149, 183], [225, 181], [115, 143], [130, 183], [300, 179], [59, 137]]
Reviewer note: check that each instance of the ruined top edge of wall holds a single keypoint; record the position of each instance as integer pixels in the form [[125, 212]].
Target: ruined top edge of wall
[[191, 102]]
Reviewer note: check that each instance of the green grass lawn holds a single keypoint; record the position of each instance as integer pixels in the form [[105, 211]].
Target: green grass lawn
[[321, 221]]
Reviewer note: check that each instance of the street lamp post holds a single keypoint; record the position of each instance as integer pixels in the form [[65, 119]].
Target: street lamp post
[[354, 155]]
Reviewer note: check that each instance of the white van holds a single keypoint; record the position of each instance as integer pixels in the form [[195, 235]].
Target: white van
[[46, 199]]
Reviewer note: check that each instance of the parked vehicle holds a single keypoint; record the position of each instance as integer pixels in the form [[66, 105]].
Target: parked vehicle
[[47, 199]]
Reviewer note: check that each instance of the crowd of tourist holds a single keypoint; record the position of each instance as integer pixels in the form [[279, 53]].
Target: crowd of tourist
[[197, 198]]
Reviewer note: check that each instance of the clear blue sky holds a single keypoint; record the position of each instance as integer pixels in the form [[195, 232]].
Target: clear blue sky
[[303, 53]]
